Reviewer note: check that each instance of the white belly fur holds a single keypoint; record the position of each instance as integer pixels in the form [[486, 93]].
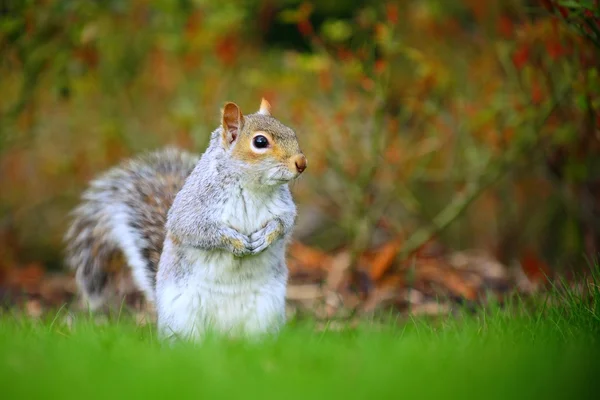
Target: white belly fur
[[213, 290]]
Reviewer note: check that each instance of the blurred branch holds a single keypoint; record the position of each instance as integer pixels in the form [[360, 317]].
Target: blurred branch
[[458, 205], [496, 170], [582, 16]]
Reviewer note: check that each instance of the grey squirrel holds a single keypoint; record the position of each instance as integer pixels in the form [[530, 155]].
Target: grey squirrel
[[205, 237]]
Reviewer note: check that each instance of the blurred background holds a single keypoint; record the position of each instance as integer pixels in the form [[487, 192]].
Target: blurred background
[[431, 126]]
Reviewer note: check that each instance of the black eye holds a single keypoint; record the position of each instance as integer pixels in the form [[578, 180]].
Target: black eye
[[260, 142]]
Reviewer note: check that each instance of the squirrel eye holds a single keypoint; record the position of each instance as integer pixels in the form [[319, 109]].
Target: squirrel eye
[[260, 142]]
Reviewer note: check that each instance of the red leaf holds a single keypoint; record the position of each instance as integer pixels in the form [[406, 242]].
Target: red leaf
[[563, 11], [547, 5], [391, 11], [193, 24], [535, 269], [367, 83], [521, 56], [305, 28], [226, 49], [505, 26], [555, 49], [380, 66], [344, 54]]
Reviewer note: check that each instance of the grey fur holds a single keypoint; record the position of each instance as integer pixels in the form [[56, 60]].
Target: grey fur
[[182, 194], [144, 188], [193, 218]]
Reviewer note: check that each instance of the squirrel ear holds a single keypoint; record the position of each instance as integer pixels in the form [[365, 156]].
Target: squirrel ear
[[265, 107], [232, 121]]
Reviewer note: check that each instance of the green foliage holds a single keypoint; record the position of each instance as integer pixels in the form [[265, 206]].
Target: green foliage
[[413, 114]]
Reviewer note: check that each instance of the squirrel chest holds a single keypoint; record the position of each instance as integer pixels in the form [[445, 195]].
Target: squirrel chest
[[213, 289], [247, 212]]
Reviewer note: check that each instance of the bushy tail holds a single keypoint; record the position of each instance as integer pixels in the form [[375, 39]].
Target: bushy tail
[[90, 250], [104, 242], [123, 214]]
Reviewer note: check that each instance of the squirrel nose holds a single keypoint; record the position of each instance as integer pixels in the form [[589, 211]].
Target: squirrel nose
[[300, 161]]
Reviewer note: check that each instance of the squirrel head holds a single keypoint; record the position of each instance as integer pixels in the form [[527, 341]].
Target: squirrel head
[[264, 147]]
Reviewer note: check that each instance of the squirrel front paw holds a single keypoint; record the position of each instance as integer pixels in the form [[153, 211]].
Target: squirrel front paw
[[236, 242], [263, 238]]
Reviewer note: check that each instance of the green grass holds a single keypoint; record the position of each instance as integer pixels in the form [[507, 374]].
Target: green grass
[[504, 353]]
